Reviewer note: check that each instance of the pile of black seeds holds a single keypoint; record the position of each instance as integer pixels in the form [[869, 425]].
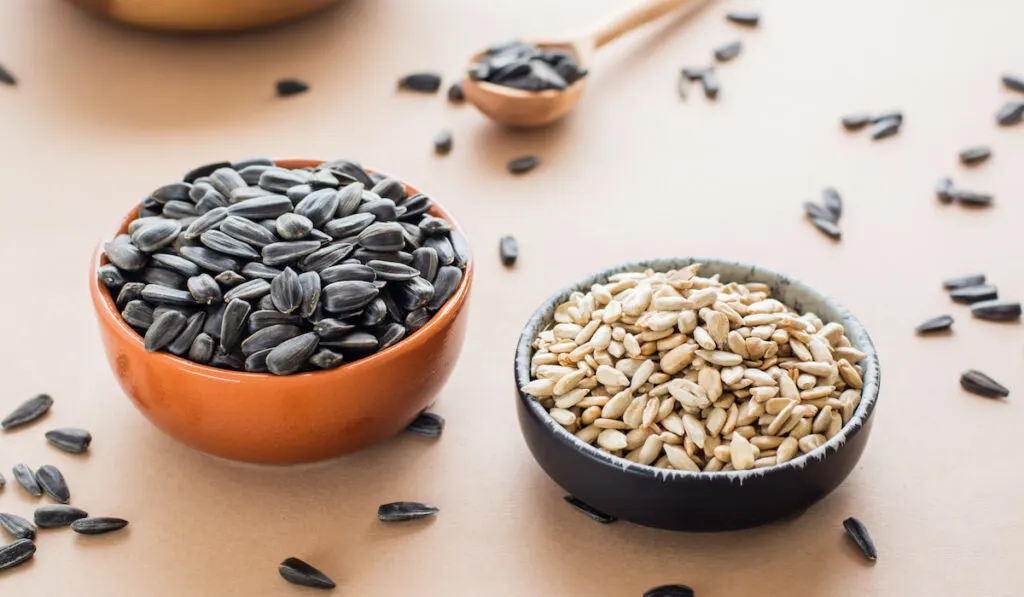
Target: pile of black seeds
[[249, 266], [46, 479], [825, 215], [525, 66], [1012, 112], [705, 75], [884, 125]]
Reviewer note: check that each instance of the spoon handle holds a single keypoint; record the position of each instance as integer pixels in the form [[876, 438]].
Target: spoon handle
[[639, 15]]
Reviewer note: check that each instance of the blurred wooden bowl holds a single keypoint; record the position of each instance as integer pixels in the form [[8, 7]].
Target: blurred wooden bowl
[[202, 16]]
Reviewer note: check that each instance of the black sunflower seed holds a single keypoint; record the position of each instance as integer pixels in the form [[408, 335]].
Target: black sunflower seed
[[349, 170], [268, 206], [350, 197], [941, 323], [125, 255], [827, 227], [326, 359], [971, 198], [229, 279], [289, 356], [162, 295], [443, 247], [156, 235], [204, 289], [176, 264], [709, 81], [98, 525], [269, 337], [389, 270], [670, 591], [57, 515], [131, 291], [890, 115], [204, 171], [287, 252], [978, 383], [288, 87], [27, 412], [590, 511], [164, 330], [292, 226], [326, 257], [390, 334], [857, 121], [445, 284], [412, 294], [233, 361], [347, 272], [205, 222], [460, 247], [222, 243], [175, 191], [7, 77], [996, 310], [17, 527], [319, 206], [138, 314], [427, 82], [202, 348], [974, 294], [885, 128], [214, 320], [856, 530], [232, 325], [247, 193], [417, 318], [416, 205], [365, 256], [162, 277], [255, 269], [300, 573], [359, 342], [279, 180], [1010, 113], [975, 155], [265, 318], [383, 236], [210, 201], [349, 225], [257, 361], [727, 52], [443, 141], [427, 425], [110, 276], [455, 94], [815, 210], [285, 291], [389, 188], [508, 250], [403, 511], [833, 202], [693, 73], [183, 342], [943, 188], [748, 18], [27, 479], [383, 209], [177, 210], [299, 192], [1013, 82], [349, 295], [523, 164], [373, 313], [964, 281], [20, 551], [209, 260], [425, 261], [53, 483], [309, 284], [332, 329]]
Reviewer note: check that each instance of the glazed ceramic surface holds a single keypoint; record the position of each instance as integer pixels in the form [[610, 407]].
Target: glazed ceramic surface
[[683, 500]]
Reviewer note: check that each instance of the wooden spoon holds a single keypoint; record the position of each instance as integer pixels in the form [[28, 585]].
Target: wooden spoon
[[516, 107]]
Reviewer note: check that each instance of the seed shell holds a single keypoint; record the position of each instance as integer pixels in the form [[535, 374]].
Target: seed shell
[[53, 483], [27, 411], [289, 356], [17, 527], [27, 479], [590, 511], [70, 439], [427, 425], [978, 383], [300, 573], [856, 530], [997, 310], [403, 511], [98, 526], [20, 551], [941, 323], [57, 515]]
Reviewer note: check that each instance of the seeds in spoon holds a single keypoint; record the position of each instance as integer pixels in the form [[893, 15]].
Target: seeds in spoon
[[523, 164], [727, 52], [287, 87], [941, 323], [18, 552], [858, 533], [300, 573], [426, 82], [978, 383], [53, 483], [997, 310], [427, 425], [403, 511], [590, 511], [58, 515], [975, 155], [443, 142], [27, 479], [27, 411], [70, 439]]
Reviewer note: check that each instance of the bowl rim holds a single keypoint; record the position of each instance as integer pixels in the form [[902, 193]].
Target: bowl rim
[[854, 330], [106, 308]]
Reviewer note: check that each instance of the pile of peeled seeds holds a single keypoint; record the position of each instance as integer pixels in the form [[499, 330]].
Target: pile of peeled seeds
[[527, 67], [680, 371], [253, 267]]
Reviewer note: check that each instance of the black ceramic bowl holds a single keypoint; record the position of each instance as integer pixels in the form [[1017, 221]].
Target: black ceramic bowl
[[687, 501]]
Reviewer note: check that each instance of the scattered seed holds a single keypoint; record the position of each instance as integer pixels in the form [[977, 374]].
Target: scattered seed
[[975, 155], [833, 202], [1010, 113], [21, 550], [27, 411], [997, 310], [523, 164], [17, 527], [27, 479], [856, 530], [403, 511], [964, 281], [1013, 82], [70, 439], [727, 52], [57, 515], [978, 383], [99, 525], [6, 77], [885, 128], [974, 294], [971, 198], [508, 250], [427, 425], [827, 227], [443, 142], [300, 573], [670, 591], [694, 73], [943, 190], [455, 94], [748, 18], [941, 323], [287, 87], [590, 511], [709, 81], [428, 82], [814, 210], [52, 482]]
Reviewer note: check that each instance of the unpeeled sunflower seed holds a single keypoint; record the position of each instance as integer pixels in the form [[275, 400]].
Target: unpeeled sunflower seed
[[974, 294], [858, 533], [941, 323], [138, 314], [27, 479], [326, 359], [974, 155], [1010, 113], [828, 228], [590, 511], [319, 206], [287, 252], [443, 142], [290, 87], [156, 235], [204, 289], [164, 330], [57, 515], [20, 551], [253, 289], [125, 255], [183, 341], [427, 425], [309, 285], [289, 356], [324, 258], [964, 281], [267, 206], [53, 483], [269, 337], [70, 439], [523, 164], [670, 591], [233, 324], [728, 51], [855, 122], [27, 411], [222, 243], [978, 383], [7, 77], [99, 525], [971, 198], [349, 295], [425, 82], [403, 511], [298, 572], [997, 310], [17, 527], [286, 291], [885, 128], [202, 349], [209, 260]]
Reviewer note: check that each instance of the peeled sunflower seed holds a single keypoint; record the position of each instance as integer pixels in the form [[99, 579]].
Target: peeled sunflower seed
[[590, 511], [183, 342], [27, 479], [269, 337], [248, 291], [98, 526], [427, 425], [164, 330], [27, 411], [69, 439], [281, 253], [156, 235], [309, 284], [300, 573], [58, 515], [289, 356], [17, 527], [125, 255], [350, 295], [233, 324], [403, 511], [978, 383], [324, 258], [857, 532], [53, 483], [670, 591], [222, 243], [21, 550], [326, 359], [202, 349], [204, 289], [138, 314], [209, 260], [973, 294], [996, 310], [964, 281], [935, 324]]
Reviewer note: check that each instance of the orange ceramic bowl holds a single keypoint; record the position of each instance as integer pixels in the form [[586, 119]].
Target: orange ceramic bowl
[[263, 418]]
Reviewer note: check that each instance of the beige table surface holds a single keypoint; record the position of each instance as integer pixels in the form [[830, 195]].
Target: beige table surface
[[105, 114]]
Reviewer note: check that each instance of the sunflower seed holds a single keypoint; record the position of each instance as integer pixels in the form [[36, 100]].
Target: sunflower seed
[[443, 247], [460, 246], [156, 235], [179, 265], [286, 291], [941, 323], [202, 348], [138, 314], [265, 318], [242, 194], [299, 192], [183, 342], [293, 226], [978, 383], [208, 259], [289, 356], [210, 201], [98, 525], [1010, 113], [204, 289], [373, 313], [269, 337], [28, 411], [124, 255], [162, 277], [27, 479], [827, 227], [257, 361], [427, 425], [326, 257], [279, 180], [148, 212], [508, 250], [523, 164], [110, 276], [389, 188], [20, 551], [6, 77], [425, 261], [300, 573], [349, 199], [816, 211], [727, 52], [384, 237], [943, 188], [412, 294], [885, 128], [693, 73], [131, 291], [971, 198], [590, 511], [349, 295], [388, 270], [326, 359], [319, 206], [309, 284], [349, 225], [332, 329], [403, 511], [17, 527], [975, 155], [434, 226], [286, 252], [417, 319], [347, 272], [426, 82], [854, 122], [1013, 82], [247, 231], [997, 310], [973, 294], [964, 281], [365, 256], [268, 206], [443, 142], [856, 530], [204, 171], [445, 284], [290, 87], [233, 324], [57, 515], [253, 289], [177, 210], [361, 342], [233, 361], [748, 18], [164, 330], [222, 243], [390, 334], [176, 191], [255, 269], [833, 202], [455, 94], [52, 482]]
